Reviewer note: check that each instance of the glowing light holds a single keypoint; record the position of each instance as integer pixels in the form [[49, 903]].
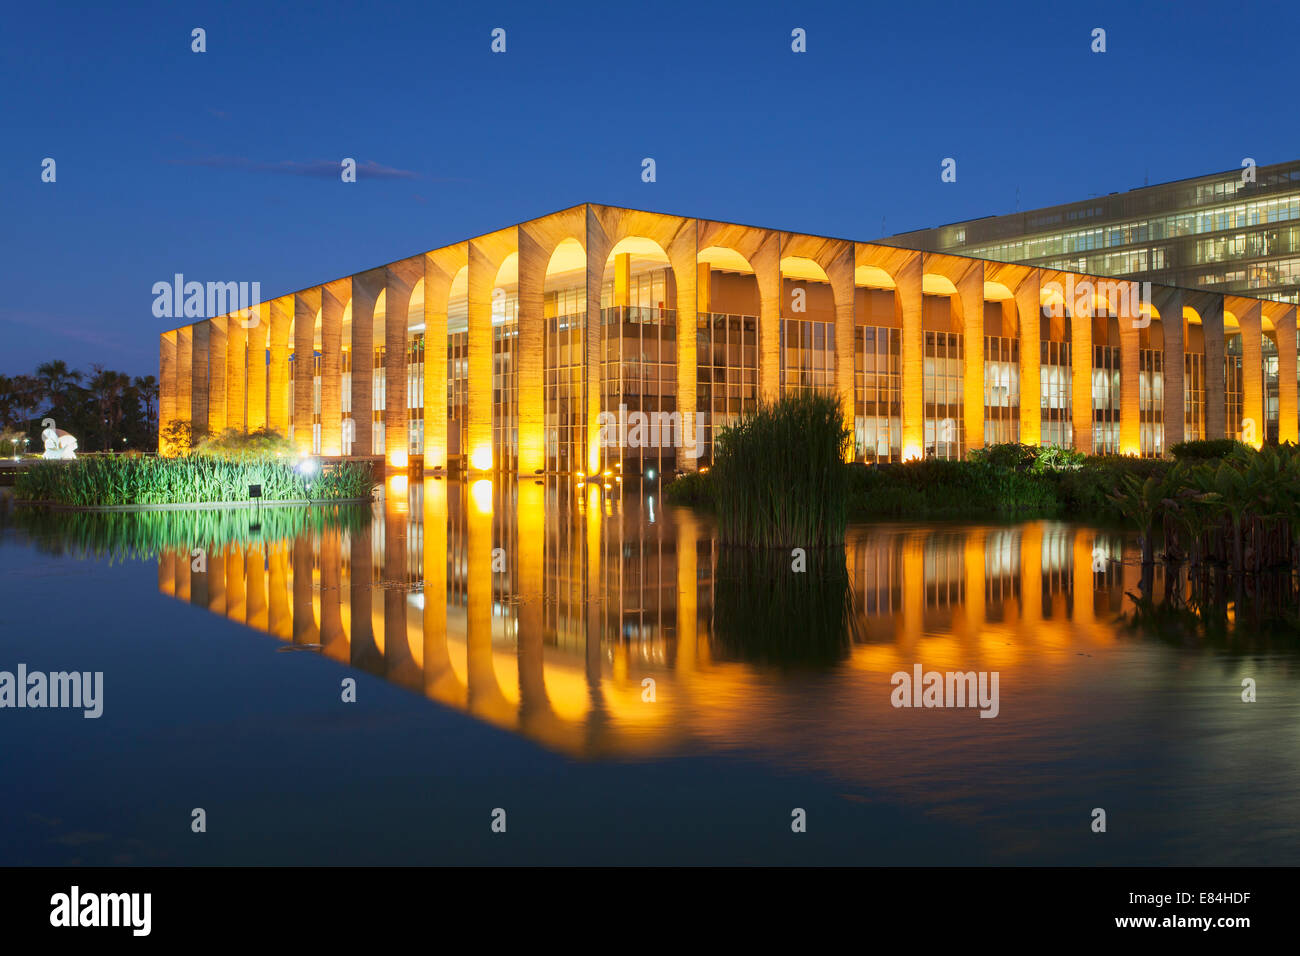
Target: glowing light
[[398, 458], [481, 492], [397, 485], [481, 458], [912, 453], [650, 474]]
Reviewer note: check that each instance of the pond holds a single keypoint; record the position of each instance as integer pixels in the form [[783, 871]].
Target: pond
[[542, 672]]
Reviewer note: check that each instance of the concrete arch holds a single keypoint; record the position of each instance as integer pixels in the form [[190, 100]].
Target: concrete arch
[[441, 267], [550, 246], [486, 256], [606, 226], [336, 329]]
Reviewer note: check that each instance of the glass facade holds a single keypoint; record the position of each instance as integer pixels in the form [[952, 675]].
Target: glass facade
[[1193, 396], [1105, 400], [1232, 386], [639, 374], [505, 379], [943, 394], [1151, 403], [415, 393], [564, 389], [1056, 395], [380, 395], [1214, 232], [1001, 390], [807, 355], [726, 383], [878, 393]]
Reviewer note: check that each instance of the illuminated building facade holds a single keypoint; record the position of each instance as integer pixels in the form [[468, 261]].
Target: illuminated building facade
[[485, 354]]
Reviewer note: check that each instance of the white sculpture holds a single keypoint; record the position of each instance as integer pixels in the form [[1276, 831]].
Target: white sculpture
[[59, 444]]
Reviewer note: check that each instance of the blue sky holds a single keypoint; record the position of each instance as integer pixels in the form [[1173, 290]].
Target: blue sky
[[223, 165]]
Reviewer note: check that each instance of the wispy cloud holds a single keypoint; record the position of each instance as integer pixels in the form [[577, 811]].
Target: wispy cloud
[[316, 168]]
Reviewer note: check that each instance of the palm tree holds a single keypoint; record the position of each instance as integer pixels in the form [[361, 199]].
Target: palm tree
[[109, 390], [56, 381], [147, 386]]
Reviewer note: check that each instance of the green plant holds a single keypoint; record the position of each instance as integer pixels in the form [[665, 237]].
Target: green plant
[[236, 444], [1202, 449], [779, 476], [694, 489], [111, 480]]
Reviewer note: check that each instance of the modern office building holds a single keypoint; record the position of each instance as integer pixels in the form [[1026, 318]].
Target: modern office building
[[603, 339], [1234, 232]]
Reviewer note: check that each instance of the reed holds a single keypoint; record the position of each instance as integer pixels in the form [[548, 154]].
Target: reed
[[779, 475], [114, 480]]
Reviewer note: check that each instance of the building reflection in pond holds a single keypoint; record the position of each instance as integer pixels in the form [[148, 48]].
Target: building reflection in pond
[[544, 607]]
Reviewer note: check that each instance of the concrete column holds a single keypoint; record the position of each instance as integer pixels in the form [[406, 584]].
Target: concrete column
[[1169, 303], [202, 334], [306, 308], [840, 273], [482, 278], [598, 247], [1081, 369], [622, 280], [533, 260], [401, 278], [703, 286], [185, 374], [1028, 323], [907, 302], [1284, 325], [1249, 314], [767, 271], [440, 269], [683, 254], [217, 364], [1130, 344], [334, 298], [277, 397], [970, 298], [365, 293], [236, 371], [256, 337], [167, 376], [1216, 396]]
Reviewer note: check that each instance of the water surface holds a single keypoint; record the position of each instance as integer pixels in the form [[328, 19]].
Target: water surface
[[593, 663]]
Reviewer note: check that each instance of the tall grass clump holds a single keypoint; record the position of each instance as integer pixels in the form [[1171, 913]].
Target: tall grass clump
[[779, 476], [116, 480]]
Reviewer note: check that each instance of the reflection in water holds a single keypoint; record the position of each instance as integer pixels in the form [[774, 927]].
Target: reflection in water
[[543, 608]]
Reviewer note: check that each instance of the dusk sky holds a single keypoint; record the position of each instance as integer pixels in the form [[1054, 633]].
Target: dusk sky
[[224, 165]]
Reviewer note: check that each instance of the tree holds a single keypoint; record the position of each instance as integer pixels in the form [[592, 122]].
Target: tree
[[147, 387], [108, 389]]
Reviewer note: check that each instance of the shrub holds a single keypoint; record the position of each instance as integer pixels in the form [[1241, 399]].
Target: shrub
[[694, 489], [178, 437], [1205, 449], [235, 444]]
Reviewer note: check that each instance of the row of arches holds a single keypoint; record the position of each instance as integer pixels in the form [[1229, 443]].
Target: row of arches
[[692, 324]]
